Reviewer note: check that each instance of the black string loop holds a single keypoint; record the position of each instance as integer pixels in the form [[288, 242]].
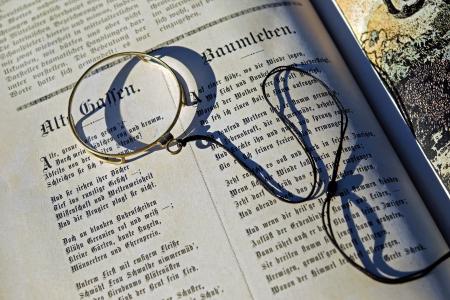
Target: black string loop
[[332, 188]]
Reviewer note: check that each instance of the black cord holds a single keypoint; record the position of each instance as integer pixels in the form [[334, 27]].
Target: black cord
[[332, 185]]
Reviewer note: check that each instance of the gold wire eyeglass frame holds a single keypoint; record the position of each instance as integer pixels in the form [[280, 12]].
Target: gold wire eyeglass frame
[[165, 140]]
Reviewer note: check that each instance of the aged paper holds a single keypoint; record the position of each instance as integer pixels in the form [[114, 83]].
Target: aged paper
[[196, 225]]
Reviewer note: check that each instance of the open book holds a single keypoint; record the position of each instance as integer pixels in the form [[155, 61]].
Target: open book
[[197, 225]]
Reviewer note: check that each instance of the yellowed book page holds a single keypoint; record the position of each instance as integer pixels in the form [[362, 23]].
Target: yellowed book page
[[73, 228], [379, 217], [195, 226]]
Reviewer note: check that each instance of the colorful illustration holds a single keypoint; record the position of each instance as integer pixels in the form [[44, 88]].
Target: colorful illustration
[[408, 41]]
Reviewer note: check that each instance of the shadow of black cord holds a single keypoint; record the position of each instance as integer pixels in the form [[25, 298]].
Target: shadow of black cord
[[350, 180], [303, 135]]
